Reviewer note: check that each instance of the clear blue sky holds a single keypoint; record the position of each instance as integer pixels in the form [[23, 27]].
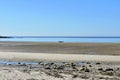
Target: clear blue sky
[[60, 17]]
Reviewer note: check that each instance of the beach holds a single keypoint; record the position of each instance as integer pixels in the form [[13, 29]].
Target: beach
[[62, 48], [60, 61]]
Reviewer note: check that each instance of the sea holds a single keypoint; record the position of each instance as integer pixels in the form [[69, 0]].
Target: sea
[[61, 38]]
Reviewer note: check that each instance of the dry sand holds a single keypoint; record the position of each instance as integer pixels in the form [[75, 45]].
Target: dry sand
[[20, 56]]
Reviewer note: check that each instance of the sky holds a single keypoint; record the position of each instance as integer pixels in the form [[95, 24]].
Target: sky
[[60, 17]]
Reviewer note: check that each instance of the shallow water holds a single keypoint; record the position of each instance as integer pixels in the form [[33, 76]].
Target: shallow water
[[75, 39], [15, 63], [36, 63]]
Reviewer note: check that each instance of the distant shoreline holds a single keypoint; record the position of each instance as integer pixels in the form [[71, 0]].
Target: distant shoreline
[[59, 36], [5, 37]]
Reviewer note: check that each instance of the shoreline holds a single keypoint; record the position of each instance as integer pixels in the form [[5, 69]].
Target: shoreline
[[53, 51], [59, 61], [59, 67]]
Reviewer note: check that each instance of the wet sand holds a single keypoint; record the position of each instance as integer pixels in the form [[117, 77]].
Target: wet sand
[[62, 48]]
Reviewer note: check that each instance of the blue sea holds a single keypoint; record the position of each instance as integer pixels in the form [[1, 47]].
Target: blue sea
[[64, 39]]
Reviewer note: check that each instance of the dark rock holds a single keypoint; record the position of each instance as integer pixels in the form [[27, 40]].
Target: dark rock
[[60, 67], [109, 73], [73, 65], [83, 69], [88, 63], [87, 70], [100, 69], [19, 63], [47, 68], [98, 63], [9, 64], [23, 64], [75, 76], [84, 77], [39, 63], [109, 69], [83, 66]]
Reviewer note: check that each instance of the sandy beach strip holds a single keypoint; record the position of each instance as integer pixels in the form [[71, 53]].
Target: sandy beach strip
[[20, 56], [65, 48], [107, 55]]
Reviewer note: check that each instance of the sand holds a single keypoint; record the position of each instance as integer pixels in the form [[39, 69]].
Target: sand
[[20, 56], [60, 71], [62, 48], [102, 61]]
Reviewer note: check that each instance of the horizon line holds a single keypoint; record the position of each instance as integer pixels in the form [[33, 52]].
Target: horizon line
[[64, 36], [60, 36]]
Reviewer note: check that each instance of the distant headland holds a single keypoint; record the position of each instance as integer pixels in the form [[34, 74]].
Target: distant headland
[[5, 37]]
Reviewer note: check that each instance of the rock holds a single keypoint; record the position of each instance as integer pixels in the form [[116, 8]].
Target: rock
[[60, 67], [100, 69], [39, 63], [83, 69], [84, 76], [109, 69], [47, 67], [73, 65], [53, 66], [88, 63], [87, 70], [19, 63], [98, 63], [109, 73], [75, 76]]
